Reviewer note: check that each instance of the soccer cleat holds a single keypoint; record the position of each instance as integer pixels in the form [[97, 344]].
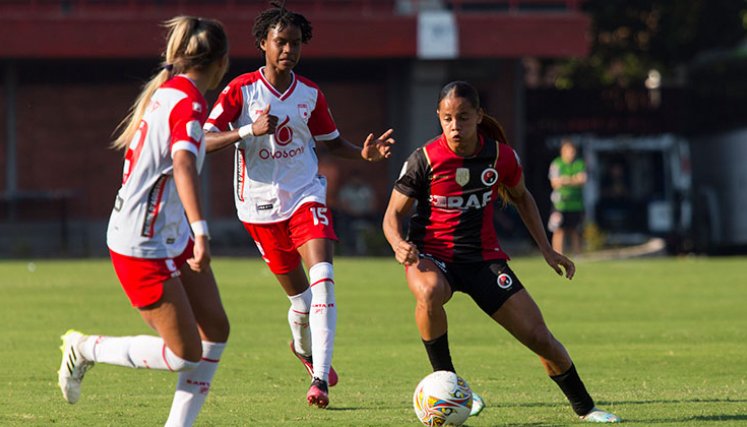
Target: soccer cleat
[[477, 405], [599, 416], [318, 393], [73, 366], [308, 363]]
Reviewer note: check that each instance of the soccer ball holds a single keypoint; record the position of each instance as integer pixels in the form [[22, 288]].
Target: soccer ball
[[442, 399]]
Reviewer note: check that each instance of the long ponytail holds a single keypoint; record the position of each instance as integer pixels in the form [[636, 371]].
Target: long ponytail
[[191, 43]]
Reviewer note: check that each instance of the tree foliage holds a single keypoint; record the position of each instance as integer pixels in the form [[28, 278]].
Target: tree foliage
[[631, 37]]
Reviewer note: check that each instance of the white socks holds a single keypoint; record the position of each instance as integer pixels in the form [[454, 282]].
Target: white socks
[[298, 319], [193, 386], [142, 351], [323, 317]]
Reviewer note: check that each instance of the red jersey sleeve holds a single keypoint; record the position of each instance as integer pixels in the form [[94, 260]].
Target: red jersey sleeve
[[227, 107], [509, 166], [185, 123], [321, 124]]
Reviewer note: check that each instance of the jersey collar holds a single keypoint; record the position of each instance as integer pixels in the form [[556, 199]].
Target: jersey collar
[[281, 96]]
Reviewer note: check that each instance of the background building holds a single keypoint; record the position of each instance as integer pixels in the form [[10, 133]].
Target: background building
[[71, 68]]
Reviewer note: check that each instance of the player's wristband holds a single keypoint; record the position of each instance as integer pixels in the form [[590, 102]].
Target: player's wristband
[[200, 228], [245, 131]]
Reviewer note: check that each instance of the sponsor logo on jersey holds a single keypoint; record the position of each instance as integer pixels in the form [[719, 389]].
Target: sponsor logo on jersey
[[266, 154], [284, 133], [303, 110], [489, 177], [462, 176], [473, 201], [265, 207], [504, 281]]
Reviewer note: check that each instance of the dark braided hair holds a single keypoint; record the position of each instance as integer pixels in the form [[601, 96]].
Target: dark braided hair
[[489, 126], [279, 16]]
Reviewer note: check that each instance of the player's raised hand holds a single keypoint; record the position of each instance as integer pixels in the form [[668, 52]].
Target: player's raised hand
[[378, 149], [265, 123]]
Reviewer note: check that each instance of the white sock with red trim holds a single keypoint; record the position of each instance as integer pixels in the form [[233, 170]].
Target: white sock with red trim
[[193, 386], [141, 351], [298, 319], [322, 318]]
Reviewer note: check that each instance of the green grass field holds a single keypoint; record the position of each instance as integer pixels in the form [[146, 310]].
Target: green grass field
[[661, 342]]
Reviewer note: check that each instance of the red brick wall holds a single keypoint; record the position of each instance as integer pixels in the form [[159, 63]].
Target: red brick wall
[[64, 132], [63, 136]]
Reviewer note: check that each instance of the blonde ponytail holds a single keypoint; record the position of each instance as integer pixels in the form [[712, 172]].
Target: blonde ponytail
[[191, 43]]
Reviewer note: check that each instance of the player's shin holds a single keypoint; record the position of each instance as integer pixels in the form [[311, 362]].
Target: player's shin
[[298, 319], [193, 386], [322, 318], [141, 351], [438, 353], [573, 388]]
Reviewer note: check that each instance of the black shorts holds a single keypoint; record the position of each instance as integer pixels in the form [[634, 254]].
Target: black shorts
[[565, 220], [489, 283]]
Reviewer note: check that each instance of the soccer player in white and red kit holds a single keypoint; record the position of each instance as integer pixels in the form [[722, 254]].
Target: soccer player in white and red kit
[[452, 244], [274, 118], [164, 271]]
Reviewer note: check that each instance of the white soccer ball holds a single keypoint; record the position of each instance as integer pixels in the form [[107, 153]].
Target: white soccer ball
[[442, 399]]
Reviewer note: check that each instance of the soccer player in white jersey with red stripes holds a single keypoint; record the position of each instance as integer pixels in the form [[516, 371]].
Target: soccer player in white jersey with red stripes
[[274, 118], [164, 271]]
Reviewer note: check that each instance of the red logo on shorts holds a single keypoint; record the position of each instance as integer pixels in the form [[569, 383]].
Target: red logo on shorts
[[504, 281]]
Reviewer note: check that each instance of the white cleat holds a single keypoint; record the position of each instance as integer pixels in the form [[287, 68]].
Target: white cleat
[[73, 366], [477, 405], [599, 416]]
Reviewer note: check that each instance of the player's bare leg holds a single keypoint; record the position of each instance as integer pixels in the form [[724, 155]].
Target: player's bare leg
[[431, 290], [521, 316], [193, 386]]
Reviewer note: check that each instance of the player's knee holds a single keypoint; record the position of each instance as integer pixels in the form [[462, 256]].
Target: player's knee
[[181, 364], [429, 295], [218, 329], [321, 276]]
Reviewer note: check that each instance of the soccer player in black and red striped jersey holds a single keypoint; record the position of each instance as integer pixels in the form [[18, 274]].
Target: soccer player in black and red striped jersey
[[452, 244]]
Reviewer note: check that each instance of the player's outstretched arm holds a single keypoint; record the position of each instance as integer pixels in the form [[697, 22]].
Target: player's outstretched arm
[[373, 150], [527, 208]]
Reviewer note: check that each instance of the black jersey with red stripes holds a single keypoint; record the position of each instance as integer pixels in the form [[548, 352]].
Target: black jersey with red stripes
[[456, 198]]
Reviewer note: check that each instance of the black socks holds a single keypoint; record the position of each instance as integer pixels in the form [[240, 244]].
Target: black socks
[[438, 353], [573, 388]]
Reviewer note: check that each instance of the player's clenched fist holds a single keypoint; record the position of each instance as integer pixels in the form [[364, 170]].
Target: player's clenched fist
[[265, 123]]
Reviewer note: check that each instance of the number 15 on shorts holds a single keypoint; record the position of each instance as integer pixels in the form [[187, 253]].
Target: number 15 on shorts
[[319, 213]]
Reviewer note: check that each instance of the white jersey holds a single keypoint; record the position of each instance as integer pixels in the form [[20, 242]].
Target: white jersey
[[275, 174], [148, 219]]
